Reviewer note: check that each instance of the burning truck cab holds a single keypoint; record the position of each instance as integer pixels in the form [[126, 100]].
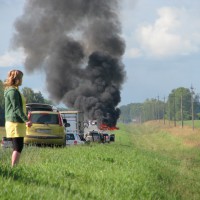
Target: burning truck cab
[[108, 123]]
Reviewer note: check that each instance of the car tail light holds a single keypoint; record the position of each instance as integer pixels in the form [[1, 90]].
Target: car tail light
[[75, 142], [60, 120], [29, 124], [29, 116]]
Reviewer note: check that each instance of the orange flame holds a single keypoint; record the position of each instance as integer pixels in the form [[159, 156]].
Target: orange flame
[[106, 127]]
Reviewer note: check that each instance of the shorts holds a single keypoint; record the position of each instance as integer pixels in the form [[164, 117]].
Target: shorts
[[18, 144]]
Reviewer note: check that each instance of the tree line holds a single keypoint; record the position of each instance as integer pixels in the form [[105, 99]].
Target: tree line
[[181, 104], [29, 94]]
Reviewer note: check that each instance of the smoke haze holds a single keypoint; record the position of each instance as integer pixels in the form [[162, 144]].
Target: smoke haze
[[78, 45]]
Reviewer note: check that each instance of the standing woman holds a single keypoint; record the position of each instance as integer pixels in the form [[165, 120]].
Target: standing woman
[[15, 113]]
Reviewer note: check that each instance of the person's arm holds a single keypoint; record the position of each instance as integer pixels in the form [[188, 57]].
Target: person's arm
[[15, 99]]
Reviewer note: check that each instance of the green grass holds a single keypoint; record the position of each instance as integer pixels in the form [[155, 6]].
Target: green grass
[[143, 163], [190, 123]]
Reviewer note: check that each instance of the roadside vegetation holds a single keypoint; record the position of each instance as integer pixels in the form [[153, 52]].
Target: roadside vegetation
[[148, 161]]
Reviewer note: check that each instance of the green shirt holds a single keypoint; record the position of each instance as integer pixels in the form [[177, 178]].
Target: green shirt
[[13, 106]]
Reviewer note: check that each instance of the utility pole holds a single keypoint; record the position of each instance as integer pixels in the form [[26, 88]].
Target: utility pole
[[174, 111], [192, 106], [155, 110], [164, 111], [169, 113], [158, 109], [181, 110]]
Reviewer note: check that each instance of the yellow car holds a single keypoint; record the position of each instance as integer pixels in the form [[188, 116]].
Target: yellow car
[[46, 128]]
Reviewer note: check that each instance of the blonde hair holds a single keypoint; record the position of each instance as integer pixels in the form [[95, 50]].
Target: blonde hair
[[14, 78]]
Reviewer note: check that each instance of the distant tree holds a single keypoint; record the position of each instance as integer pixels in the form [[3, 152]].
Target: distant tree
[[34, 97], [28, 94], [131, 112], [135, 111], [197, 106], [38, 98], [175, 98], [125, 114], [47, 101], [1, 95], [149, 110], [152, 109], [2, 104]]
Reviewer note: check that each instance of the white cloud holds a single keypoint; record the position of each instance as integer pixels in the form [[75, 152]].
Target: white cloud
[[174, 32], [12, 58], [133, 53]]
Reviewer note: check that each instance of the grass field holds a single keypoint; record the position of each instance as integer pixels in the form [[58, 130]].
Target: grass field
[[149, 161]]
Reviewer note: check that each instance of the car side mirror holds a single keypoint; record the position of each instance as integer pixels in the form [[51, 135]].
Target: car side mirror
[[67, 124]]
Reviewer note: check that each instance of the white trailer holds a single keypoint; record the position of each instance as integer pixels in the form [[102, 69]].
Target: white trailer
[[76, 121]]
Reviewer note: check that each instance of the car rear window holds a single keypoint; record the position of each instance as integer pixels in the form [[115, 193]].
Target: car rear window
[[70, 137], [44, 118]]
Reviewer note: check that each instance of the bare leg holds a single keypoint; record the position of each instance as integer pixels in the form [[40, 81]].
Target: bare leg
[[15, 158]]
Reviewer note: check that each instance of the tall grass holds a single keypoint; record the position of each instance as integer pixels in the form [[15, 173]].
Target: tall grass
[[143, 163]]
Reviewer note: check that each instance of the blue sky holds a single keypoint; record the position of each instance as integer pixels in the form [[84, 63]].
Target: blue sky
[[162, 47]]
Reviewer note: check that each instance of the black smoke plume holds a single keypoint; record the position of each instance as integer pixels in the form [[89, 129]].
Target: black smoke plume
[[78, 45]]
